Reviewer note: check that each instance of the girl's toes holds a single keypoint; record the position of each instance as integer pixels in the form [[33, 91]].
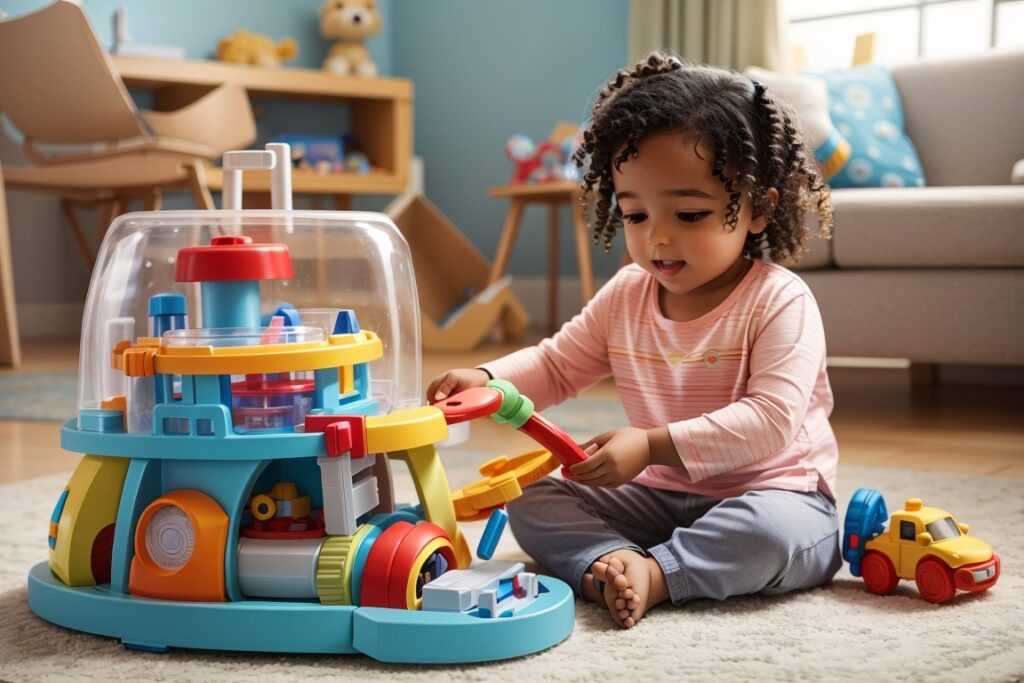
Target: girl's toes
[[621, 604], [627, 594], [632, 603], [629, 622], [624, 614]]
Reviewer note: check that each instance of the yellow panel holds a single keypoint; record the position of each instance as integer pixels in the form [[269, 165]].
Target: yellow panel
[[347, 377], [432, 488], [405, 429], [339, 350], [94, 494]]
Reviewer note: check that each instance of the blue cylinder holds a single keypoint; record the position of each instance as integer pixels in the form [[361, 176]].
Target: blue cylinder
[[166, 312], [231, 303]]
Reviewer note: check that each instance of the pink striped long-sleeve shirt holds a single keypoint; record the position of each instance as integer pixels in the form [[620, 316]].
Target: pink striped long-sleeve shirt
[[743, 389]]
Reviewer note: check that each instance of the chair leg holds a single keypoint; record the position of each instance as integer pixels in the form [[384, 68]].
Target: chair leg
[[583, 252], [553, 264], [154, 200], [508, 239], [924, 374], [200, 190], [107, 213], [78, 233], [10, 344]]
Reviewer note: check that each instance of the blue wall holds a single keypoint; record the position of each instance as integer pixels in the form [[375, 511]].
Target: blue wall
[[482, 70], [486, 70], [198, 25]]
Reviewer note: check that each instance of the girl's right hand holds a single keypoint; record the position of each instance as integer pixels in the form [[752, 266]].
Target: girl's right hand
[[454, 381]]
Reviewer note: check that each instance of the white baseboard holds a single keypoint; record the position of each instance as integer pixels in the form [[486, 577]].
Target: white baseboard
[[50, 320]]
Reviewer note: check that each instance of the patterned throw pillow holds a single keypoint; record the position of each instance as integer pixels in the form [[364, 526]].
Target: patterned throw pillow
[[808, 97], [866, 109]]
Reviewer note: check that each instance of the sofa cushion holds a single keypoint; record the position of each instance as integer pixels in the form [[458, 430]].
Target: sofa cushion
[[819, 254], [956, 315], [865, 107], [964, 116], [929, 227]]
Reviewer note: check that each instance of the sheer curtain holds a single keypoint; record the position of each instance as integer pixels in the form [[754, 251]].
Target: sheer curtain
[[729, 33]]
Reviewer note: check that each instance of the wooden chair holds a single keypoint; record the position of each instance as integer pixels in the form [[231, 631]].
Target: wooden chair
[[554, 195], [84, 136]]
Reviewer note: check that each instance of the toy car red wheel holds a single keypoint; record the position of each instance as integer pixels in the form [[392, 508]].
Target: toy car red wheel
[[935, 581], [879, 574]]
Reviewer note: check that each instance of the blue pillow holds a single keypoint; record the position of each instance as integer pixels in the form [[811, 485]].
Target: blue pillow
[[866, 109]]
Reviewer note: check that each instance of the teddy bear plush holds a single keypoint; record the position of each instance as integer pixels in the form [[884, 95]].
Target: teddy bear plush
[[242, 47], [350, 22]]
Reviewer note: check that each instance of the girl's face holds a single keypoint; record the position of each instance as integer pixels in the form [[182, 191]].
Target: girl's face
[[674, 210]]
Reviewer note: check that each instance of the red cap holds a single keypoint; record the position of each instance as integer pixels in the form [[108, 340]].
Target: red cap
[[233, 257]]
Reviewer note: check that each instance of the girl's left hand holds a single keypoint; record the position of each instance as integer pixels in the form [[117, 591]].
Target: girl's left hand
[[616, 457]]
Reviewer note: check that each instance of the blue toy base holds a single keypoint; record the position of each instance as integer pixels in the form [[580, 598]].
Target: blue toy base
[[388, 635]]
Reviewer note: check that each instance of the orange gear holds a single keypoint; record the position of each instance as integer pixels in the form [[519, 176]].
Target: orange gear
[[505, 479]]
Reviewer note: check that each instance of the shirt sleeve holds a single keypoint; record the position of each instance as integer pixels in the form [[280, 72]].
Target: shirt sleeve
[[787, 355], [565, 364]]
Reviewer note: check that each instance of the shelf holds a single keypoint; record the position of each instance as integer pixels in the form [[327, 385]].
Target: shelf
[[556, 189], [151, 74], [380, 108], [304, 182]]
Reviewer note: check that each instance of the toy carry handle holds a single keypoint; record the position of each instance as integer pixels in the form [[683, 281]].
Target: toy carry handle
[[276, 158], [866, 516]]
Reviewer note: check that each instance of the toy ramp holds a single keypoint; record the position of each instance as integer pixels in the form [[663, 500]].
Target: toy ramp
[[458, 308]]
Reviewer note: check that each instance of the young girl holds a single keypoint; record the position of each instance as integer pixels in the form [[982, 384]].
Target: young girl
[[725, 482]]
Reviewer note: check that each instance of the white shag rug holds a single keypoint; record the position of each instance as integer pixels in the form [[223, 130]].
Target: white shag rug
[[839, 632]]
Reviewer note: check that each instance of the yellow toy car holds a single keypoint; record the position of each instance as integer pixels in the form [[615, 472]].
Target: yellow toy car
[[922, 543]]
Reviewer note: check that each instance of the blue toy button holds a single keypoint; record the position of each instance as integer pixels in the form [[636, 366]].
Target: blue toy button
[[492, 534], [167, 304]]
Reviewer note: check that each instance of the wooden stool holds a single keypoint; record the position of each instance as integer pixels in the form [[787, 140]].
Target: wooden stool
[[555, 195]]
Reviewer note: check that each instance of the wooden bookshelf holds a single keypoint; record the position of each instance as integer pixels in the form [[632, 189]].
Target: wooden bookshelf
[[381, 114]]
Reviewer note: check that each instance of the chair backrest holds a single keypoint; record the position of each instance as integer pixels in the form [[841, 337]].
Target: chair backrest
[[58, 84]]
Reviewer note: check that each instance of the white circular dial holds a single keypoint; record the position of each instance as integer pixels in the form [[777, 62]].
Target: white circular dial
[[170, 537]]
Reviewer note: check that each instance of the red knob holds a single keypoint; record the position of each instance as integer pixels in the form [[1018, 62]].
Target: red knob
[[233, 257]]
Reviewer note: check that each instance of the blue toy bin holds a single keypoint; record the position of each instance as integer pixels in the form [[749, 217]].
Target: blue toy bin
[[247, 379]]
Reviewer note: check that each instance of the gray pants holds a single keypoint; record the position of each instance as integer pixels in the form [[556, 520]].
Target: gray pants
[[770, 541]]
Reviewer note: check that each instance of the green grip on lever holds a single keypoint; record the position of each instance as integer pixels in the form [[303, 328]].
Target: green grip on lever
[[515, 408]]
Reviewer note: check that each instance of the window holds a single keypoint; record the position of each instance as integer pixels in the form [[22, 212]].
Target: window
[[907, 531], [905, 30], [943, 529]]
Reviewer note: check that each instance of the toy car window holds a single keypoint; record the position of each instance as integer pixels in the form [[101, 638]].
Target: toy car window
[[907, 531], [943, 529]]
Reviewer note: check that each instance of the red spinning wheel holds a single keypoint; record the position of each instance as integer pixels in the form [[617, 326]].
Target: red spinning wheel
[[401, 561], [470, 404]]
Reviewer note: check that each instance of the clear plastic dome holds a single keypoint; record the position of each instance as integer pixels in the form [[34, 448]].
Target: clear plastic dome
[[340, 260]]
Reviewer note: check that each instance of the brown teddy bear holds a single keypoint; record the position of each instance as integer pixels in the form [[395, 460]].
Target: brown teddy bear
[[242, 47], [351, 22]]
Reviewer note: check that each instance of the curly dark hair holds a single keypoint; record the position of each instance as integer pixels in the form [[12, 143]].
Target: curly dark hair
[[754, 138]]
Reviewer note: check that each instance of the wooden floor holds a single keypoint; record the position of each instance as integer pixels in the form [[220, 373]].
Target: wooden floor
[[880, 419]]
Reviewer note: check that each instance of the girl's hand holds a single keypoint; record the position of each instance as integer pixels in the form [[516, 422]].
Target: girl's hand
[[454, 381], [616, 457]]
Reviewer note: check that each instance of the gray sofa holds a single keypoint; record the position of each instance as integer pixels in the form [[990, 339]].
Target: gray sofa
[[936, 274]]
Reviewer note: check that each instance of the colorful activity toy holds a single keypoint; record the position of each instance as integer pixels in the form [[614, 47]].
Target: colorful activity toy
[[239, 424]]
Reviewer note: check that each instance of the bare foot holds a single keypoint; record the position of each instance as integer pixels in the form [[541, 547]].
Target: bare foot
[[590, 591], [633, 585]]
